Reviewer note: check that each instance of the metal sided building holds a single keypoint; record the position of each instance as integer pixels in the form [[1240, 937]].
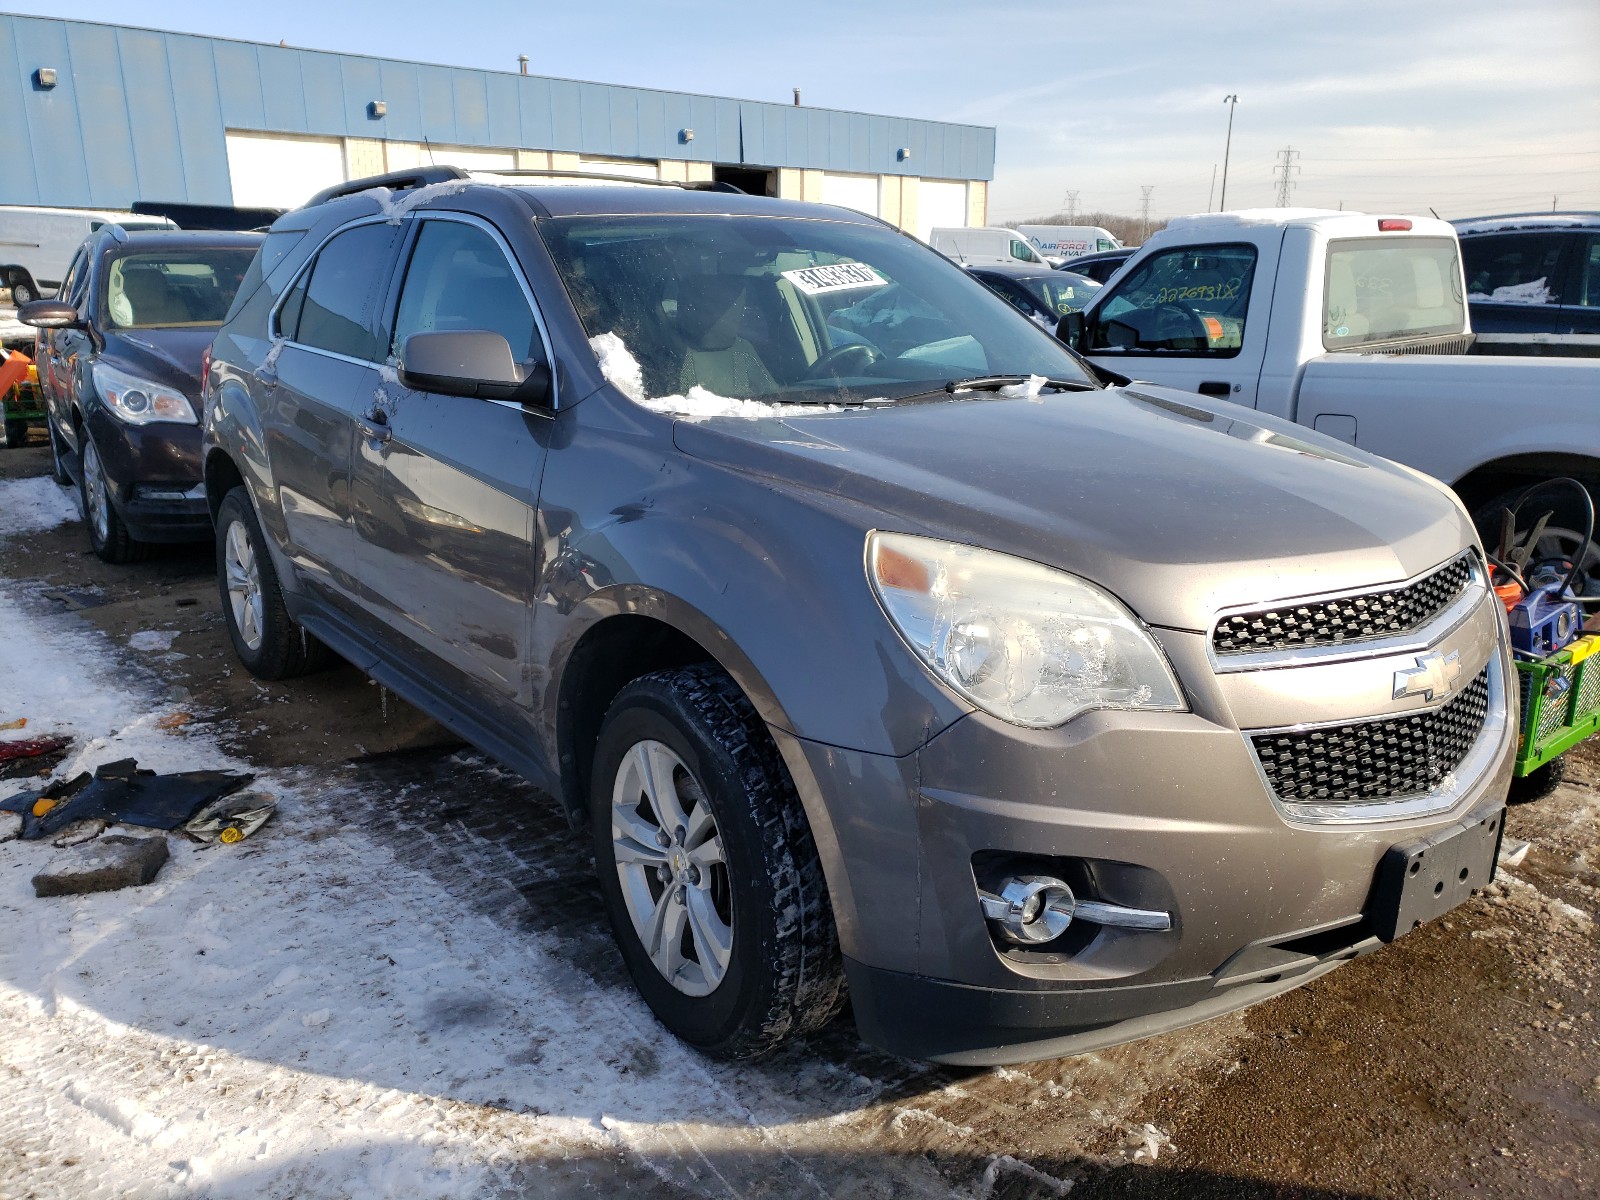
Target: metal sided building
[[99, 116]]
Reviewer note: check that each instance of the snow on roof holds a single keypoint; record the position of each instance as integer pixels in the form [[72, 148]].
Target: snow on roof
[[1328, 220], [1566, 220]]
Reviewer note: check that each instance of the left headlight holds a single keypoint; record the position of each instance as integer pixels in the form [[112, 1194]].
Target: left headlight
[[139, 401], [1024, 642]]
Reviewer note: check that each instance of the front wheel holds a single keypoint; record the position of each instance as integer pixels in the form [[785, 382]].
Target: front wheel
[[264, 635], [708, 869], [22, 293], [108, 536]]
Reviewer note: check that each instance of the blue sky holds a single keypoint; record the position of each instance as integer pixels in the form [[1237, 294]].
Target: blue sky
[[1470, 106]]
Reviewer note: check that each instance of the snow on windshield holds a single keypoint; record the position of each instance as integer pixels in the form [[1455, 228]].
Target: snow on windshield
[[622, 371]]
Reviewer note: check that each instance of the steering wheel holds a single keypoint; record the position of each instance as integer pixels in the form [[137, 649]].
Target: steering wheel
[[1183, 322], [829, 363]]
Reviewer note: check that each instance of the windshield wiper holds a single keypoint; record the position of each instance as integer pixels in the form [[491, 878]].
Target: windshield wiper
[[993, 383]]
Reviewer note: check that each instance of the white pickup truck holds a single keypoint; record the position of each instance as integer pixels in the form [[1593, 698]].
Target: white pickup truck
[[1356, 326]]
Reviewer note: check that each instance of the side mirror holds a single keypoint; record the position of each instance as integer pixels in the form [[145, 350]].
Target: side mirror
[[1070, 329], [470, 362], [49, 314]]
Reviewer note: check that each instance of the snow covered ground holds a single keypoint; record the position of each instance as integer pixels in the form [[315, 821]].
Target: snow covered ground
[[308, 1014]]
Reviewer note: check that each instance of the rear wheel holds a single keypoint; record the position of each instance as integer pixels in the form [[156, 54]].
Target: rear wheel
[[708, 869], [108, 536], [23, 293], [264, 636]]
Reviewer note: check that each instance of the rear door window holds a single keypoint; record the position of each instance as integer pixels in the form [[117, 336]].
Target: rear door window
[[1516, 268], [460, 279], [1188, 301], [338, 310]]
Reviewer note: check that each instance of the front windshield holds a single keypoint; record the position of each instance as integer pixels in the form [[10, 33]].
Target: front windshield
[[791, 309], [175, 289]]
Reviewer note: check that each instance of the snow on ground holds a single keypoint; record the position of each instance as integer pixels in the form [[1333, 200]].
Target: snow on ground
[[302, 1015], [29, 505]]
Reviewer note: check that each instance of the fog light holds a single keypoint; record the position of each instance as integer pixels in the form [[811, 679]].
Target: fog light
[[1030, 909]]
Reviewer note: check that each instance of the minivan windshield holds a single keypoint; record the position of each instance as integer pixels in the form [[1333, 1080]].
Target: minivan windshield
[[791, 309], [175, 289]]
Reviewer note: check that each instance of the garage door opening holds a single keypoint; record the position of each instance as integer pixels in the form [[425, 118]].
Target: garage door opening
[[757, 181]]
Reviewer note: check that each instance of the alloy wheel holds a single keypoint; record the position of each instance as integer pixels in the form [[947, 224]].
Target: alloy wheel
[[97, 500], [670, 864], [243, 577]]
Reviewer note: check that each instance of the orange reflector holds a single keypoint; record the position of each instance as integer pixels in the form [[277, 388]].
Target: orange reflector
[[1393, 225], [897, 570], [1213, 328]]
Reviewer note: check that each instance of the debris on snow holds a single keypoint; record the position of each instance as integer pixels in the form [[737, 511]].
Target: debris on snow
[[1144, 1143], [106, 865], [231, 819], [121, 792], [10, 826], [1513, 851], [32, 748], [1006, 1164], [19, 723]]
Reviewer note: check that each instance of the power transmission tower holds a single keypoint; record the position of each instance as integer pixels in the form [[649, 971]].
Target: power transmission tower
[[1144, 211], [1286, 170], [1072, 207]]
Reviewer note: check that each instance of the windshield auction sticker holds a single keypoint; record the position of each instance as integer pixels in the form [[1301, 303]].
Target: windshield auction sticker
[[840, 277]]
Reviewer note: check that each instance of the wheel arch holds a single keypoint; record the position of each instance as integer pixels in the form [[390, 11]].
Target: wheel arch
[[1483, 483]]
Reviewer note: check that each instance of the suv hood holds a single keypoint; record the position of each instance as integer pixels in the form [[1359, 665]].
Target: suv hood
[[165, 356], [1177, 505]]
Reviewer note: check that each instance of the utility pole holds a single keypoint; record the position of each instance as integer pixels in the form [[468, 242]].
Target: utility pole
[[1286, 170], [1144, 212], [1230, 101], [1072, 207], [1212, 194]]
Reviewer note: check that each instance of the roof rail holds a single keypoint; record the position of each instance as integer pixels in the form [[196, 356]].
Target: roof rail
[[692, 185], [394, 181], [1565, 212]]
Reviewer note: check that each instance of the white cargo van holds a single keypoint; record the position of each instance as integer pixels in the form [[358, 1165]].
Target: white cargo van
[[981, 245], [37, 244], [1068, 241]]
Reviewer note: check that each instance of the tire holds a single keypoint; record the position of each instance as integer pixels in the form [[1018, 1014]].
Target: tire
[[1562, 536], [16, 434], [108, 536], [264, 635], [764, 901], [58, 470], [23, 293], [1538, 783]]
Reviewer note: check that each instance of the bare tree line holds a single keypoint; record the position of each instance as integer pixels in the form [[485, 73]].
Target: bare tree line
[[1126, 229]]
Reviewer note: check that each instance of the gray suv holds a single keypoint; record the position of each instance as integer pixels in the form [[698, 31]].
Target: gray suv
[[875, 638]]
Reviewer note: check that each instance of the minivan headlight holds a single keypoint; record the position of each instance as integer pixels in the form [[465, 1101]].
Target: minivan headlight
[[139, 401], [1024, 642]]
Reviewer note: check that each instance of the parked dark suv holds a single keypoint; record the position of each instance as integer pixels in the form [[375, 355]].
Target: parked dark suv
[[1533, 273], [871, 637], [119, 360]]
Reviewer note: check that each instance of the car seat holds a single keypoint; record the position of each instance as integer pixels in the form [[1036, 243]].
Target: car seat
[[711, 309], [153, 300]]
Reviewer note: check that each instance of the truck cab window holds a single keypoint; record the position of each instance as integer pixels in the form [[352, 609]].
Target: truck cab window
[[1189, 301], [1385, 291]]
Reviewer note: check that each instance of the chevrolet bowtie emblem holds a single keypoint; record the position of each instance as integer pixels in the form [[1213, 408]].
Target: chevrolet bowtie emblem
[[1434, 675]]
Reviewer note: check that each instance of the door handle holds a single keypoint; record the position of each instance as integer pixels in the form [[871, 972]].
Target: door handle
[[1215, 387], [374, 426]]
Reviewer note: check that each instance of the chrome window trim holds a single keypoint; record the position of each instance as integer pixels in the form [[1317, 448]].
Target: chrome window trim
[[1421, 638], [1491, 741]]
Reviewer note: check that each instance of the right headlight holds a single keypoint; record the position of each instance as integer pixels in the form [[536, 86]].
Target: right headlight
[[1027, 643], [139, 401]]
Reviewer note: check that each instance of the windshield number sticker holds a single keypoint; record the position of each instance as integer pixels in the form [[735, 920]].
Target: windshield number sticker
[[840, 277]]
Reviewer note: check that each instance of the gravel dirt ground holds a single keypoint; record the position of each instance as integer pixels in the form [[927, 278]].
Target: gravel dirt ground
[[1462, 1060]]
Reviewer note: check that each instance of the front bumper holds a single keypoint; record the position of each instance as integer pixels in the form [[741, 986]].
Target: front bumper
[[154, 477], [1158, 811]]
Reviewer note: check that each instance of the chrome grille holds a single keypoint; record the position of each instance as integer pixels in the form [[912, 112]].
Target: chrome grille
[[1388, 759], [1344, 618]]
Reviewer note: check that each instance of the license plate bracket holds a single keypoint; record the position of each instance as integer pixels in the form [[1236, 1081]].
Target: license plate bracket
[[1418, 881]]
